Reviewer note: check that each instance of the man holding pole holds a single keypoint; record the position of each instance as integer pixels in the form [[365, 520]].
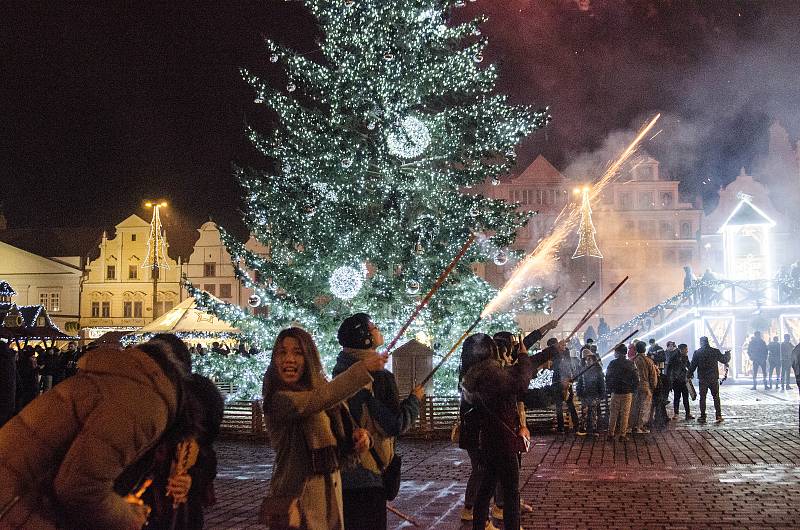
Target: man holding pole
[[378, 409], [705, 361]]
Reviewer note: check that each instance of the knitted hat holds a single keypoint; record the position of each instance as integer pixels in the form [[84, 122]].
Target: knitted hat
[[354, 332]]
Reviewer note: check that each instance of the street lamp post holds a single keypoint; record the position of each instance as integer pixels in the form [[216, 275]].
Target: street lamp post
[[156, 248]]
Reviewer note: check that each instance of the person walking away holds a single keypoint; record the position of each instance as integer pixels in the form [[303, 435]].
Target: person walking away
[[310, 429], [602, 331], [591, 390], [677, 374], [492, 390], [8, 382], [643, 398], [786, 361], [706, 361], [774, 362], [621, 381], [563, 371], [378, 409], [757, 351], [58, 469]]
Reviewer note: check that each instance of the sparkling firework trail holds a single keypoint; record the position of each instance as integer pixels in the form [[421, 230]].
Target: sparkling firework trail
[[541, 260]]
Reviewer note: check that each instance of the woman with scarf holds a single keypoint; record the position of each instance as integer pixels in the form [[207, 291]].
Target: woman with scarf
[[311, 431]]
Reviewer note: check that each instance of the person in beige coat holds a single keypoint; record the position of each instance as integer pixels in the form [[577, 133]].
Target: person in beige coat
[[311, 432], [60, 456], [648, 381]]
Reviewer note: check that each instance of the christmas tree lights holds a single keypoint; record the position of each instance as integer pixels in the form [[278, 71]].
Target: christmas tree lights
[[374, 143]]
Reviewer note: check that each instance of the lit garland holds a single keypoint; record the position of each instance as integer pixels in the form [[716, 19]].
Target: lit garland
[[372, 147], [699, 289]]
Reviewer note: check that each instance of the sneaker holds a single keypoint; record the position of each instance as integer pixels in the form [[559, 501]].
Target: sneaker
[[497, 512], [689, 417], [788, 387], [753, 387], [524, 507], [701, 419], [581, 432], [644, 431], [466, 514], [720, 419]]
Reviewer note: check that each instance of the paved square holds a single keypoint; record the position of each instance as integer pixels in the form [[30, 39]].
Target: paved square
[[743, 473]]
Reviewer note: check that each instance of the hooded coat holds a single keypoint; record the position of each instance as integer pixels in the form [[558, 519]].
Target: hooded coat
[[62, 465], [302, 424]]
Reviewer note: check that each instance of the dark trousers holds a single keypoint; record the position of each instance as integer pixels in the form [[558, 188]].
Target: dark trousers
[[570, 401], [773, 366], [680, 390], [763, 365], [364, 509], [499, 465], [713, 386], [785, 370]]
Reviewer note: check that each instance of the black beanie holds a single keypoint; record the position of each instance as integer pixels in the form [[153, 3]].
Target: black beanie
[[354, 332], [620, 349]]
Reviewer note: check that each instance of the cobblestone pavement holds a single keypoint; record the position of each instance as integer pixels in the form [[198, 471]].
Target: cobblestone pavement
[[743, 473]]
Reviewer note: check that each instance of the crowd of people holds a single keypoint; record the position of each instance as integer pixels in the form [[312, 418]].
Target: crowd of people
[[137, 447]]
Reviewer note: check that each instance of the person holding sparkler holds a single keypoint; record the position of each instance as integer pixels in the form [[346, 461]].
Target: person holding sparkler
[[492, 390]]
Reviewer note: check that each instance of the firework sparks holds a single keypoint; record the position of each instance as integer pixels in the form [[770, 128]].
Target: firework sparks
[[542, 259]]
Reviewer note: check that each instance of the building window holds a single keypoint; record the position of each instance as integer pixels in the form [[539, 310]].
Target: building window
[[626, 201], [646, 200], [645, 172], [137, 310], [133, 237], [666, 199], [95, 309], [685, 256], [261, 311], [106, 310], [686, 230], [210, 288], [133, 272], [111, 272], [51, 301], [224, 290], [127, 309], [665, 230], [209, 270]]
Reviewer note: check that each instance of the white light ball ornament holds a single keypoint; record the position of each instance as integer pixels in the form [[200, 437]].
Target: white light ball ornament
[[346, 282], [408, 138], [254, 300], [501, 257]]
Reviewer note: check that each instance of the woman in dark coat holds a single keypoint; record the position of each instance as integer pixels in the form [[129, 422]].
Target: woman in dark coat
[[492, 390]]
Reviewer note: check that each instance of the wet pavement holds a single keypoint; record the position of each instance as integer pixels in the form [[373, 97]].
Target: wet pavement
[[743, 473]]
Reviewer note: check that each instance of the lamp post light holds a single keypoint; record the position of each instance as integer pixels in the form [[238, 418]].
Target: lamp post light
[[156, 247]]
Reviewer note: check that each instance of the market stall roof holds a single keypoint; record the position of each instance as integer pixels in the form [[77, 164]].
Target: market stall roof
[[186, 317]]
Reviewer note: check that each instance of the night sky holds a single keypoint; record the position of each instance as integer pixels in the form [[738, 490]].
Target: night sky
[[105, 104]]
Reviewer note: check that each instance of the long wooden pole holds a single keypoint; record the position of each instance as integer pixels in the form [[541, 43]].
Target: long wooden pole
[[452, 350], [606, 353], [401, 515], [596, 309], [576, 301], [439, 281]]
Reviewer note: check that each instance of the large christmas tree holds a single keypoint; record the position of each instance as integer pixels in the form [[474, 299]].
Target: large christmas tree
[[377, 147]]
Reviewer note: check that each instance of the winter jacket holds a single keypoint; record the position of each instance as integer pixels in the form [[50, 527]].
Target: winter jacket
[[774, 353], [705, 362], [647, 371], [377, 408], [621, 377], [591, 384], [786, 353], [8, 383], [62, 453], [296, 422], [677, 367], [563, 367], [492, 389], [757, 350]]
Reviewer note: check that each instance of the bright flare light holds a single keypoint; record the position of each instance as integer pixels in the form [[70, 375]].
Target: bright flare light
[[541, 261]]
